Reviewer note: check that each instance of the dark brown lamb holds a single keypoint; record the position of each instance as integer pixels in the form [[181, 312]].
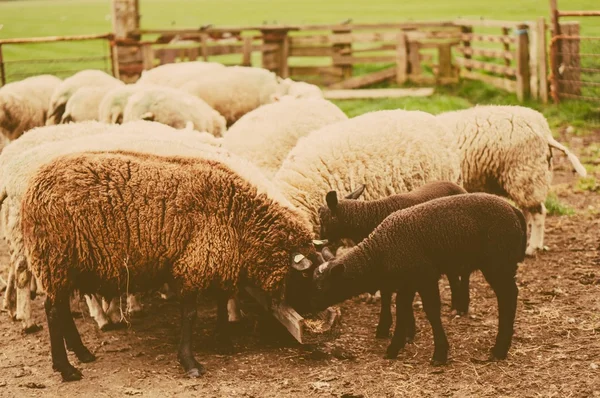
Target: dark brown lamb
[[114, 222], [412, 248], [356, 219]]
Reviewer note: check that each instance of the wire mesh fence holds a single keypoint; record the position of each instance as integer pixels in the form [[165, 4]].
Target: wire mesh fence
[[61, 57]]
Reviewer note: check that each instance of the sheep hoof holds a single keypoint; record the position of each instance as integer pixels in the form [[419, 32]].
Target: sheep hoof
[[391, 352], [32, 329], [497, 355], [195, 372], [85, 356], [438, 362], [531, 251], [71, 373]]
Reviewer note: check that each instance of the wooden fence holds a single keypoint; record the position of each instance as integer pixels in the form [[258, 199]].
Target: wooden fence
[[508, 55]]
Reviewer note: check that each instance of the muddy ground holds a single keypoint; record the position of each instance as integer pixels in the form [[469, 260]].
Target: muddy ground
[[555, 352]]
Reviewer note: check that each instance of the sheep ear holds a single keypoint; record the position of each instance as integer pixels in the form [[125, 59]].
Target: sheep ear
[[356, 194], [320, 242], [331, 199], [149, 116], [300, 262]]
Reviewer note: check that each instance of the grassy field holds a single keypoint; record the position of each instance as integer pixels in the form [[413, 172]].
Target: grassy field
[[70, 17]]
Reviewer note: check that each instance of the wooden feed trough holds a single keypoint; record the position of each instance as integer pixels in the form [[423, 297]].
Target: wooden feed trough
[[323, 327]]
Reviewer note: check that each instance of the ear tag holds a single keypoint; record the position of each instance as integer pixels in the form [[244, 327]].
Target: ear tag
[[298, 258]]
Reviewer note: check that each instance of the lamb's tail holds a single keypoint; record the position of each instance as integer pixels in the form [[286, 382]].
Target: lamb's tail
[[572, 158], [523, 223]]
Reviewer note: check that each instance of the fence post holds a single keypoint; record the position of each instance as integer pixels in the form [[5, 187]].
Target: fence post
[[247, 51], [554, 51], [534, 69], [401, 58], [523, 72], [467, 30], [275, 59], [570, 59], [542, 60], [343, 49], [147, 56], [445, 69], [2, 71], [414, 57], [125, 21]]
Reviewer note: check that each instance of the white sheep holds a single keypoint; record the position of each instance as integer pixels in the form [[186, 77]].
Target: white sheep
[[266, 135], [390, 152], [294, 89], [24, 104], [113, 103], [178, 74], [174, 108], [507, 150], [64, 91], [84, 104], [24, 156], [235, 90]]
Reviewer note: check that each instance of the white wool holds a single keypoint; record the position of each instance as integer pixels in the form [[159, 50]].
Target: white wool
[[389, 151], [235, 90], [113, 103], [176, 75], [265, 135], [24, 104], [84, 104], [64, 91], [174, 108]]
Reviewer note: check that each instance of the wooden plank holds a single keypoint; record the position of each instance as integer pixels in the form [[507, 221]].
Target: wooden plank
[[311, 40], [542, 60], [378, 93], [296, 325], [342, 47], [365, 80], [375, 47], [284, 70], [579, 13], [204, 39], [523, 73], [487, 38], [445, 69], [311, 51], [349, 60], [569, 50], [147, 56], [247, 52], [486, 23], [192, 53], [498, 82], [487, 52], [470, 63], [414, 60], [533, 62], [401, 58], [315, 70], [2, 71], [54, 39]]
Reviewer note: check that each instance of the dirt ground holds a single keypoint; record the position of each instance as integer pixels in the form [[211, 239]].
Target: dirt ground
[[555, 352]]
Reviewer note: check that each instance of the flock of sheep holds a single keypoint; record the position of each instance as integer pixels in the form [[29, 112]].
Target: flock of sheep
[[202, 178]]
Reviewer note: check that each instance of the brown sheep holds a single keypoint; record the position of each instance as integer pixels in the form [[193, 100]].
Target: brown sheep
[[135, 220]]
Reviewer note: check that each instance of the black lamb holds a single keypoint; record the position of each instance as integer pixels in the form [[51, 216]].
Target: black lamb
[[355, 220], [411, 248]]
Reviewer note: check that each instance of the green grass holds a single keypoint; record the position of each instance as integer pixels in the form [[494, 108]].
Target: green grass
[[556, 208], [30, 18]]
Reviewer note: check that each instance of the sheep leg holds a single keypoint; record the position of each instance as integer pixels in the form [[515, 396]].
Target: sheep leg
[[461, 292], [185, 352], [33, 287], [24, 311], [97, 312], [430, 295], [506, 291], [71, 335], [404, 312], [134, 306], [233, 310], [60, 362], [538, 219], [10, 297], [385, 316], [224, 345]]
